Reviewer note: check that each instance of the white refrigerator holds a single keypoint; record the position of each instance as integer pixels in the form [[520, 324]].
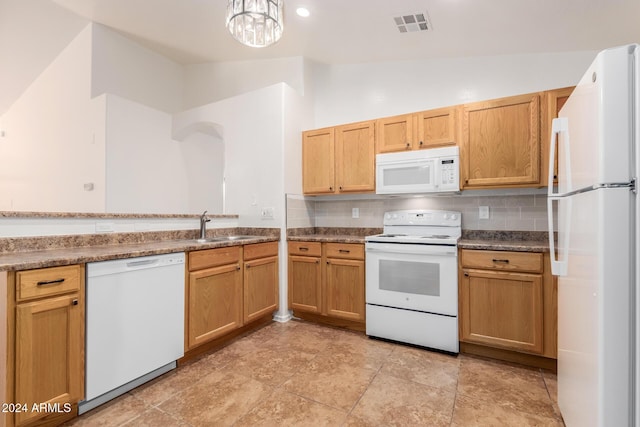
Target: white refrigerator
[[597, 253]]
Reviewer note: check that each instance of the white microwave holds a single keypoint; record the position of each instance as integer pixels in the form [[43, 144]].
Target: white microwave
[[432, 170]]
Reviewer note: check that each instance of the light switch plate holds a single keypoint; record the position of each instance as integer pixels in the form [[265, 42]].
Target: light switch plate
[[483, 212], [266, 213]]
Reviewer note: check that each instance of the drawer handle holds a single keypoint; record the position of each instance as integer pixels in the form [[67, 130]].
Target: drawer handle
[[344, 251], [303, 249], [503, 261], [50, 282]]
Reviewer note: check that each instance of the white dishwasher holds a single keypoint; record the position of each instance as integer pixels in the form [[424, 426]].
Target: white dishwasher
[[134, 324]]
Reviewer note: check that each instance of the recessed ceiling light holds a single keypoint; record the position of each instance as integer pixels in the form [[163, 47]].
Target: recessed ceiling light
[[303, 11]]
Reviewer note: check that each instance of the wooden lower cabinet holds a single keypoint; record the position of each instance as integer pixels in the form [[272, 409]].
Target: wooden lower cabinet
[[260, 280], [328, 280], [215, 303], [48, 351], [507, 301], [228, 288], [305, 284], [345, 289]]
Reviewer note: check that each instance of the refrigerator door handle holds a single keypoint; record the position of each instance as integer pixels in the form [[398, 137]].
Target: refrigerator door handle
[[559, 261], [558, 126]]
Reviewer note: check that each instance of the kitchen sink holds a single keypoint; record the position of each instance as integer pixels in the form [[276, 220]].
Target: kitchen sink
[[225, 239]]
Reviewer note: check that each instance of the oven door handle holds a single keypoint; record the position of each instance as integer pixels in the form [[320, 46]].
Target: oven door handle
[[432, 250]]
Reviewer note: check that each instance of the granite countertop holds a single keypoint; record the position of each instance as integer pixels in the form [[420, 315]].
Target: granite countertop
[[518, 241], [327, 238], [331, 234], [24, 260]]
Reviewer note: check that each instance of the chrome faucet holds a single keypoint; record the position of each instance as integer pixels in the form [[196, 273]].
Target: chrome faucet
[[203, 225]]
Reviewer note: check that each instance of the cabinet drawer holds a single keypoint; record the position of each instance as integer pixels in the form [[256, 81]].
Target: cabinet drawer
[[502, 260], [47, 281], [345, 250], [305, 248], [260, 250], [213, 257]]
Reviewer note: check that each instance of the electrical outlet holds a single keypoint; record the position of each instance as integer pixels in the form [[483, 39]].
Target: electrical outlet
[[483, 212], [355, 212], [104, 227], [266, 213]]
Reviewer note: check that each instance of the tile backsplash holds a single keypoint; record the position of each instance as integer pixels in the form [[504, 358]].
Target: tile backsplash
[[526, 212]]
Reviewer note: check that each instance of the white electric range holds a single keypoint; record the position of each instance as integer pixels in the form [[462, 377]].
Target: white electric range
[[412, 279]]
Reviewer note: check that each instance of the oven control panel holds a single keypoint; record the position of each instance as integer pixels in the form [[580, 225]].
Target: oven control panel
[[423, 217]]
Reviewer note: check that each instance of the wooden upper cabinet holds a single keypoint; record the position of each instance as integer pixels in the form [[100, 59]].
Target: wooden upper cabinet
[[395, 133], [356, 158], [553, 101], [501, 143], [426, 129], [339, 159], [437, 128], [318, 161]]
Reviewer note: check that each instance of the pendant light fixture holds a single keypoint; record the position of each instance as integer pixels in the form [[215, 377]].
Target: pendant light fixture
[[255, 23]]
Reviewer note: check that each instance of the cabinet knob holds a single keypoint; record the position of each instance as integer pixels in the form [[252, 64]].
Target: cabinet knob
[[238, 267], [421, 143], [408, 145], [466, 274], [330, 188], [328, 263], [340, 188], [318, 261], [74, 301]]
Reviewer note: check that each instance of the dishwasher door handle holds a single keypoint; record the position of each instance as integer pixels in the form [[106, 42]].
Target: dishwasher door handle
[[142, 263]]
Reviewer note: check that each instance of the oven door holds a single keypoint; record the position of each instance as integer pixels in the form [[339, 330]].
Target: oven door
[[414, 277]]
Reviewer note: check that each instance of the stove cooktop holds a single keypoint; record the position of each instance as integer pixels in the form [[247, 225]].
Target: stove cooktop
[[427, 227]]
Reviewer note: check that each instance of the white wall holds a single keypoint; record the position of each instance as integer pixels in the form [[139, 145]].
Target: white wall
[[127, 69], [354, 92], [213, 81], [32, 35], [252, 130], [50, 149], [203, 163], [149, 172]]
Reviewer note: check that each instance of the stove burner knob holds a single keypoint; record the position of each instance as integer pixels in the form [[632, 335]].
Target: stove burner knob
[[446, 216], [394, 216], [454, 216], [387, 216]]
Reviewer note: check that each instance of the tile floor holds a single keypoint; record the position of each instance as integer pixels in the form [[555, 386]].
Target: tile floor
[[303, 374]]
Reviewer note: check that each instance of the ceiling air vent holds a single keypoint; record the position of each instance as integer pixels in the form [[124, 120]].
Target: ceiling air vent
[[412, 22]]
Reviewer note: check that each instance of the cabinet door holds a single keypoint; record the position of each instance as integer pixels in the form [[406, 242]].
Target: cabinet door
[[437, 128], [215, 303], [318, 173], [305, 284], [501, 144], [49, 353], [553, 103], [395, 134], [355, 157], [345, 289], [502, 309], [260, 287]]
